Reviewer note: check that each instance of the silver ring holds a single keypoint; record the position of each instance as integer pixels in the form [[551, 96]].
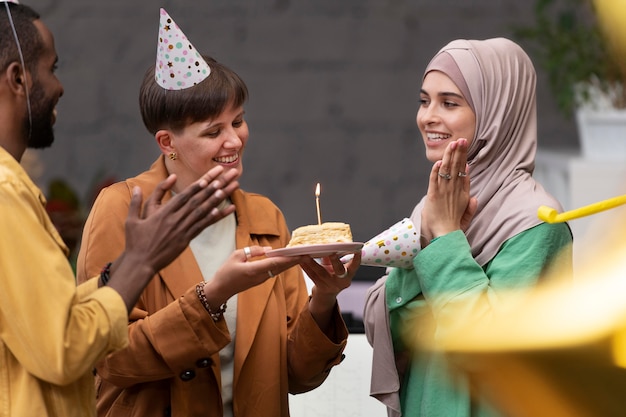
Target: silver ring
[[345, 274], [270, 274], [246, 250], [444, 176], [462, 174]]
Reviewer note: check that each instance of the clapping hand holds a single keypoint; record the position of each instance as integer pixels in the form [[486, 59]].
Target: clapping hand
[[158, 233], [448, 204]]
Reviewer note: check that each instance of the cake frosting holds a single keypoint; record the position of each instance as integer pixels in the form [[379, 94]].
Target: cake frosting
[[317, 234]]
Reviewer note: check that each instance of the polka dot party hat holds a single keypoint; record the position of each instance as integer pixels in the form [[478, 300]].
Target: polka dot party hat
[[395, 247], [178, 63]]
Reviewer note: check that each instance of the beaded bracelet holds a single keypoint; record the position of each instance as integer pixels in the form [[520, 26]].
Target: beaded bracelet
[[105, 273], [215, 315]]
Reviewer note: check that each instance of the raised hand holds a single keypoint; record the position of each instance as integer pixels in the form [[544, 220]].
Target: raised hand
[[448, 205], [156, 235], [164, 230]]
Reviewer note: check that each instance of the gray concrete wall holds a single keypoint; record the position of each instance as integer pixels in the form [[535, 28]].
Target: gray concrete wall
[[334, 93]]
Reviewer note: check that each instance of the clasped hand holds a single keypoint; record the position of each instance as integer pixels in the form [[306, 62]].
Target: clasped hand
[[448, 205]]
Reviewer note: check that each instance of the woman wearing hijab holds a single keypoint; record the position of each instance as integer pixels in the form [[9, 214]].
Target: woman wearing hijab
[[480, 234]]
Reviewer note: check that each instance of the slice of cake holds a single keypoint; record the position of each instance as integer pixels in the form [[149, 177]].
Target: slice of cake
[[318, 234]]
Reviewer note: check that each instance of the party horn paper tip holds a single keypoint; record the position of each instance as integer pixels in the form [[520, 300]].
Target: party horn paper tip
[[549, 215]]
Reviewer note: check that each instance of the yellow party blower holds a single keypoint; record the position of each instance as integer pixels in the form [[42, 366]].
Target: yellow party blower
[[550, 215]]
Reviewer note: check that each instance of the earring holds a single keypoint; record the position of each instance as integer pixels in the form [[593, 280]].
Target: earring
[[173, 156]]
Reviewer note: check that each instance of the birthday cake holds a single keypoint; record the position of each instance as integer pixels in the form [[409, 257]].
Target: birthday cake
[[318, 234]]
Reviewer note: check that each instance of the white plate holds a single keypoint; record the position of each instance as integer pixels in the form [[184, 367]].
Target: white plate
[[318, 251]]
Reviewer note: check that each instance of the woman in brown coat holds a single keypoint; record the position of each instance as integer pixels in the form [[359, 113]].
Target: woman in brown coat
[[268, 337]]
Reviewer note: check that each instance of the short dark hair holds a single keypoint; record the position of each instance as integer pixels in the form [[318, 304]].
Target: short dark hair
[[175, 109], [27, 33]]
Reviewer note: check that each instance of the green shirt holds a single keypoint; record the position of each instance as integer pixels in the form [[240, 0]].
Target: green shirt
[[448, 284]]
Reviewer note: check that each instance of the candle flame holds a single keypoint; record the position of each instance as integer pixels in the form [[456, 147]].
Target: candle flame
[[317, 203]]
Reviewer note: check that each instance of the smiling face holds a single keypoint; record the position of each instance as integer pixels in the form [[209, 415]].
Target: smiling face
[[203, 145], [444, 115], [45, 92]]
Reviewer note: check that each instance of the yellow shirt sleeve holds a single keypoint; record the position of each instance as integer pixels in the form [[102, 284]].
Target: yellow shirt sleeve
[[55, 330]]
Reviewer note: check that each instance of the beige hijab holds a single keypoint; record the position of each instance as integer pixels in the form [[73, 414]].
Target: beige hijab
[[498, 80]]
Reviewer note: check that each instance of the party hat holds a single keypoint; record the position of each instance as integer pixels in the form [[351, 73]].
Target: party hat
[[178, 63], [395, 247]]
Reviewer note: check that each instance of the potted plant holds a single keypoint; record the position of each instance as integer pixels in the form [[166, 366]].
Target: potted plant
[[586, 78]]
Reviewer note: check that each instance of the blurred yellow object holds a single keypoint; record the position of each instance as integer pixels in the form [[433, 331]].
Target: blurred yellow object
[[550, 215], [557, 351], [612, 18]]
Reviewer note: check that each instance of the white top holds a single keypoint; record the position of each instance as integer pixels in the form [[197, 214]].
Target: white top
[[211, 248]]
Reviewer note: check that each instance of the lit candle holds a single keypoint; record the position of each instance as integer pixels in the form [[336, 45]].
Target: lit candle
[[317, 203]]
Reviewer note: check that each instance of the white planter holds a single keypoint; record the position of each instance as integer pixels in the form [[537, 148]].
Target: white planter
[[602, 133], [601, 126]]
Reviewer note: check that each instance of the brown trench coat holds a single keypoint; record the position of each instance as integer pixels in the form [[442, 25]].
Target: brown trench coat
[[171, 366]]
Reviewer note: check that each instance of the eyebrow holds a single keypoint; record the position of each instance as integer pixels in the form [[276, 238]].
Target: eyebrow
[[445, 94]]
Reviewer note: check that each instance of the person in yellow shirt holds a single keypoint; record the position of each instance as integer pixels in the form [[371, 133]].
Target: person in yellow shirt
[[52, 331]]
